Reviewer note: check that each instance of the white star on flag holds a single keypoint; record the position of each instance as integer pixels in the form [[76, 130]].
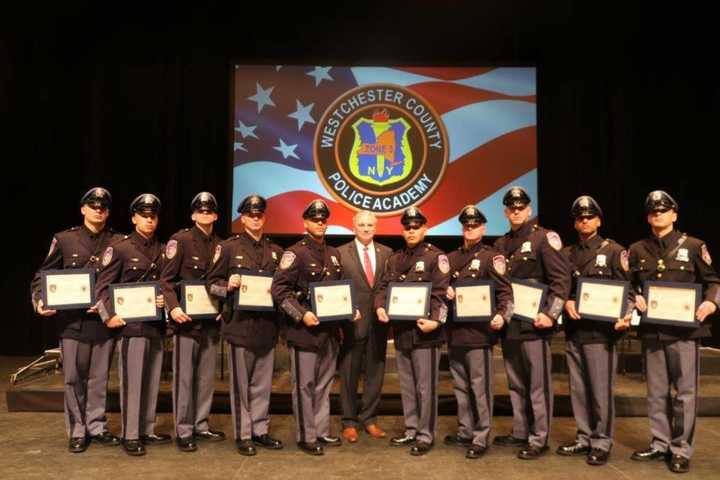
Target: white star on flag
[[302, 114], [287, 150], [239, 146], [262, 97], [320, 74], [246, 130]]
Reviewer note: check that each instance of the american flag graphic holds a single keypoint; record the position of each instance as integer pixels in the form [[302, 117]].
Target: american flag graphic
[[489, 114]]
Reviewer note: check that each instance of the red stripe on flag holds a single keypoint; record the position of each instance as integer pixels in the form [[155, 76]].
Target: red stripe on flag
[[445, 97], [445, 73]]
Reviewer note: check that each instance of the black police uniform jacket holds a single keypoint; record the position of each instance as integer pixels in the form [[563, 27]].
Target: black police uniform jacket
[[132, 259], [305, 262], [602, 259], [675, 257], [77, 247], [479, 262], [534, 253], [242, 254], [422, 263], [188, 254]]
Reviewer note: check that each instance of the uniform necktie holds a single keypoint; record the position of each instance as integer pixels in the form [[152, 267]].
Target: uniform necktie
[[369, 274]]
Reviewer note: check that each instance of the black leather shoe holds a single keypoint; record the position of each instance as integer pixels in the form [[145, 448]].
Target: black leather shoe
[[77, 444], [246, 447], [648, 454], [475, 452], [186, 444], [106, 439], [266, 441], [509, 441], [211, 435], [155, 439], [329, 441], [420, 448], [679, 464], [597, 457], [457, 441], [532, 453], [572, 449], [133, 448], [311, 448], [403, 441]]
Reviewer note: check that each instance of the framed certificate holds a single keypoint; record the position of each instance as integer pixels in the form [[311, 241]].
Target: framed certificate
[[671, 303], [474, 301], [68, 289], [332, 300], [254, 292], [602, 300], [408, 301], [135, 302], [195, 301], [529, 297]]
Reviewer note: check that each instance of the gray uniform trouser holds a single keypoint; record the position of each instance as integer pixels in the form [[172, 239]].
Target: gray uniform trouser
[[140, 368], [528, 367], [312, 375], [592, 368], [672, 419], [250, 386], [418, 374], [367, 354], [86, 367], [472, 374], [193, 381]]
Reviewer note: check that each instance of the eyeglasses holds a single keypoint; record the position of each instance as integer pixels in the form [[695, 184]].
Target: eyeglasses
[[412, 227], [318, 220]]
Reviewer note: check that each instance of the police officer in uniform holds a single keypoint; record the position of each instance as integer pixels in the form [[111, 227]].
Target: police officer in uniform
[[417, 343], [188, 254], [671, 352], [136, 258], [251, 335], [85, 342], [533, 254], [590, 345], [471, 344], [313, 346]]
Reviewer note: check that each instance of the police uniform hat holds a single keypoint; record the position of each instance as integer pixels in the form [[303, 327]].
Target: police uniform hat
[[145, 203], [252, 204], [97, 196], [516, 197], [204, 200], [659, 200], [413, 215], [471, 215], [585, 206], [316, 209]]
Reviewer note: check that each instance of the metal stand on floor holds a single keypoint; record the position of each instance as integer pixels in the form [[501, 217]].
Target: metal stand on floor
[[49, 362]]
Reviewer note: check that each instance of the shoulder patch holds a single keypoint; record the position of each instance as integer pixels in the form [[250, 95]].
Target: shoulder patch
[[107, 256], [705, 254], [171, 249], [554, 240], [53, 244], [499, 264], [625, 260], [443, 263], [287, 260], [218, 251]]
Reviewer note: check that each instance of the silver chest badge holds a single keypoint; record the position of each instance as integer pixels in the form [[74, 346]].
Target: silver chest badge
[[334, 260], [420, 266], [526, 247], [682, 255], [475, 264], [601, 261]]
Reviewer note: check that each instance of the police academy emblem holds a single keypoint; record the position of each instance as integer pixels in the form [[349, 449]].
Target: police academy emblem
[[380, 147]]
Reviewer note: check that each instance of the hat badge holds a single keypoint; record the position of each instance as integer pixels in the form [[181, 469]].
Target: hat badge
[[656, 195], [99, 192], [318, 204], [412, 212], [584, 202]]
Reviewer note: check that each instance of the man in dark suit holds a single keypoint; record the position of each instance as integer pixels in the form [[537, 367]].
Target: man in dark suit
[[365, 341]]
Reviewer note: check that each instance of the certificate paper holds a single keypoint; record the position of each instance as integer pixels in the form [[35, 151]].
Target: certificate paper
[[528, 299], [672, 303], [408, 301], [474, 301], [602, 300], [196, 302], [135, 302], [254, 292], [68, 289], [332, 300]]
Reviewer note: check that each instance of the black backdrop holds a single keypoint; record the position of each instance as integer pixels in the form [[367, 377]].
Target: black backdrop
[[137, 99]]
